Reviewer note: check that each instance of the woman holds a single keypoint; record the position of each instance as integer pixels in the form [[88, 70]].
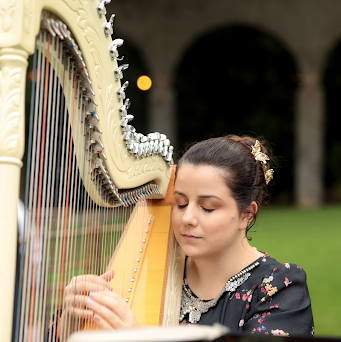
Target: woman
[[220, 185]]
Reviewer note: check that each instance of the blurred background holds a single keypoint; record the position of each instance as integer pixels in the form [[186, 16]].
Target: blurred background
[[267, 68]]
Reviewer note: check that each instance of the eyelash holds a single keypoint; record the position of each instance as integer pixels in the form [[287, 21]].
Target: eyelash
[[185, 205]]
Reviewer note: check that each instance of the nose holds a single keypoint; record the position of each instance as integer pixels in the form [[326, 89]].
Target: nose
[[189, 218]]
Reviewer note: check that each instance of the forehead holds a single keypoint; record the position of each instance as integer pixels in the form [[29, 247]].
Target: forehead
[[201, 179]]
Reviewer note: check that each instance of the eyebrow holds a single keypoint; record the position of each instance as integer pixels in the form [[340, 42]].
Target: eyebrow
[[202, 196]]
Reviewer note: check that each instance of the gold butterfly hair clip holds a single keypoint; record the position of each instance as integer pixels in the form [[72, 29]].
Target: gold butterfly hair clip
[[262, 157]]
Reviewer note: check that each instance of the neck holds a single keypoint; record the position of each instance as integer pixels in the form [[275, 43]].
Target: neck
[[201, 270]]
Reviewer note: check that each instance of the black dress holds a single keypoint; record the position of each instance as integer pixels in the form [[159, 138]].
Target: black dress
[[274, 300]]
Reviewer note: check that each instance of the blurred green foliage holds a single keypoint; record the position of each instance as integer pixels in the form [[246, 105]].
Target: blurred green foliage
[[310, 238]]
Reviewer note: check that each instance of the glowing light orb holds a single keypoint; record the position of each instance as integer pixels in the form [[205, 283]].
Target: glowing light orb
[[144, 82]]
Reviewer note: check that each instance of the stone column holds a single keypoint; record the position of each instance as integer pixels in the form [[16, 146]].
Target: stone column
[[309, 185], [162, 107]]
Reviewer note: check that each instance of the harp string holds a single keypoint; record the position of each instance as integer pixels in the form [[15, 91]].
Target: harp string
[[55, 232], [29, 257], [42, 150], [61, 204], [66, 194], [50, 188], [43, 193], [23, 245], [69, 261], [66, 232], [76, 212]]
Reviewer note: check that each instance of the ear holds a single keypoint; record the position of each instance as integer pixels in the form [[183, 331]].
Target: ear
[[248, 214]]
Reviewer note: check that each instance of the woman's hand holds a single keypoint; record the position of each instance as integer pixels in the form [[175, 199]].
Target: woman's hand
[[111, 311], [76, 296]]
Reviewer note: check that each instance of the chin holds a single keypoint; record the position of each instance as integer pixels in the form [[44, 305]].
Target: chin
[[190, 251]]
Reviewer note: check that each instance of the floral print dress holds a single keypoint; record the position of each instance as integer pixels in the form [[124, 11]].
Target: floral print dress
[[274, 300]]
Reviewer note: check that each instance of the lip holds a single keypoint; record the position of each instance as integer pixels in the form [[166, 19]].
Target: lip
[[190, 237]]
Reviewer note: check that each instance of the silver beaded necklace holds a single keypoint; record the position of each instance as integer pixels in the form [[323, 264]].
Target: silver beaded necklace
[[195, 307]]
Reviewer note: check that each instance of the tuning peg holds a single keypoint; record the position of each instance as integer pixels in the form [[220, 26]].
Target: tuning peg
[[87, 95], [114, 47], [136, 148], [160, 149], [89, 142], [143, 139], [127, 119], [96, 137], [90, 109], [170, 154], [101, 7], [156, 146], [109, 26], [140, 150], [98, 164], [118, 71], [153, 136], [93, 123], [130, 146], [150, 147], [138, 137], [131, 129], [121, 92], [123, 109], [166, 144], [145, 149], [97, 148], [128, 136]]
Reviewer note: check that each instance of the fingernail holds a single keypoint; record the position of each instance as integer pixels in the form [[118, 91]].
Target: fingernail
[[90, 303], [96, 318], [94, 294], [109, 289], [89, 313]]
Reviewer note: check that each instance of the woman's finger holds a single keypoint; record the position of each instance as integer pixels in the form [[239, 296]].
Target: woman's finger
[[115, 303], [108, 275], [78, 313], [86, 285], [75, 301], [102, 324], [88, 278], [105, 312], [113, 309]]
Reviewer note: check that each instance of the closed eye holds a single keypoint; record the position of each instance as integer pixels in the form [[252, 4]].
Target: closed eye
[[207, 210], [182, 206]]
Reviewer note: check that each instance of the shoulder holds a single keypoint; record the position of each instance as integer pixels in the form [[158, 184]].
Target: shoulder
[[270, 266], [275, 278], [281, 302]]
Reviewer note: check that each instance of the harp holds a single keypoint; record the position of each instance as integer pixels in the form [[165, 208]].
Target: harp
[[96, 190]]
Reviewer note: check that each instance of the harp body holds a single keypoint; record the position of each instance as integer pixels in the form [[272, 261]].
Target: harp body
[[132, 173]]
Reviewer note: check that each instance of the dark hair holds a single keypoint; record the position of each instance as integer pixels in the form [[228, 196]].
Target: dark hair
[[243, 175]]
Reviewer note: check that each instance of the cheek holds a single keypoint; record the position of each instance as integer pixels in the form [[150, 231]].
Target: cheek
[[221, 227]]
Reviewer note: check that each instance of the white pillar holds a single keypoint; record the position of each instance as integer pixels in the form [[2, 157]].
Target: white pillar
[[162, 107], [13, 64], [309, 185]]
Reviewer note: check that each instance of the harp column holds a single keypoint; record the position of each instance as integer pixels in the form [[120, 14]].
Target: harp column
[[13, 65]]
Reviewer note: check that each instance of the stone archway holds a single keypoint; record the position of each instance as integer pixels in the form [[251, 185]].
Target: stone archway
[[332, 86], [238, 79]]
